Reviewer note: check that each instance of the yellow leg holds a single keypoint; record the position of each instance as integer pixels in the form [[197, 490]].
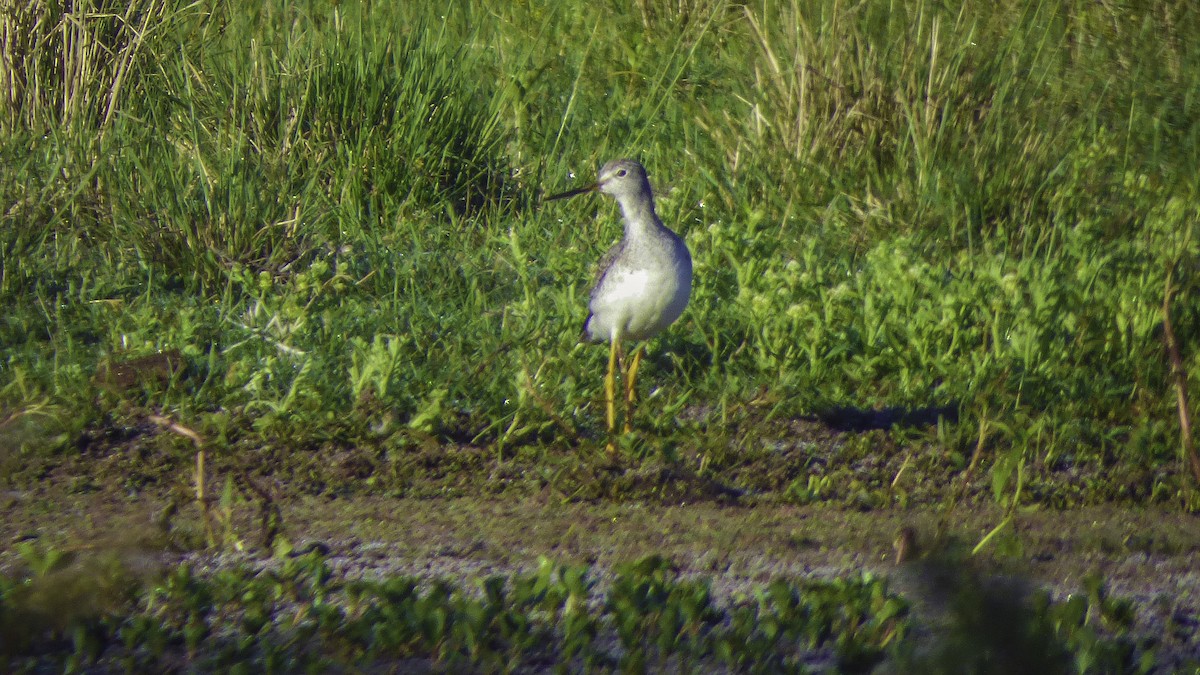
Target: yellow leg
[[610, 386], [630, 392]]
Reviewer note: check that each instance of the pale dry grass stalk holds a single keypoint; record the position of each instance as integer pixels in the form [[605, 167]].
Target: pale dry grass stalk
[[201, 489], [1179, 377], [68, 64]]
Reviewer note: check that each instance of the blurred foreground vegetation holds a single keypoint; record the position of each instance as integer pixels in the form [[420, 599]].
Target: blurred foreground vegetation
[[294, 615]]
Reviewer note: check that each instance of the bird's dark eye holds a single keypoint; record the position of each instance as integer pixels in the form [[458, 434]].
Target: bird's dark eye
[[622, 173]]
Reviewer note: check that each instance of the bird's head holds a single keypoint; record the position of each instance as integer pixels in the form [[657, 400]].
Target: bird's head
[[623, 177], [619, 178]]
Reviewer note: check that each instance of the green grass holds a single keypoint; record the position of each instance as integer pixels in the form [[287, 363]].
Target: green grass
[[326, 219], [332, 213], [294, 614]]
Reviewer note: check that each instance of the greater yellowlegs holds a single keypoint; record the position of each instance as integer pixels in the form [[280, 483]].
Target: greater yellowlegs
[[643, 283]]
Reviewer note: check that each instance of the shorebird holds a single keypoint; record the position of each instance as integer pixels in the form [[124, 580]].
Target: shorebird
[[643, 283]]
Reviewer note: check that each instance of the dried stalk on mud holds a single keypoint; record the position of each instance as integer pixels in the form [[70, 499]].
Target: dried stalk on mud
[[1179, 375]]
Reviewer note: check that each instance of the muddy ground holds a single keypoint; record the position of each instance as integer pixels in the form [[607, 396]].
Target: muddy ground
[[1146, 555]]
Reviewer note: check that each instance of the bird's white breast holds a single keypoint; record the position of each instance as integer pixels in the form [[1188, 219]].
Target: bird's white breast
[[626, 287], [638, 303]]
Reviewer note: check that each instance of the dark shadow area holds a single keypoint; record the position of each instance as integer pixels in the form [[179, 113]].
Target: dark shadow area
[[680, 357], [849, 418]]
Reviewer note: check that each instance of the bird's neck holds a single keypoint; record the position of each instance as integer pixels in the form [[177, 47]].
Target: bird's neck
[[640, 218]]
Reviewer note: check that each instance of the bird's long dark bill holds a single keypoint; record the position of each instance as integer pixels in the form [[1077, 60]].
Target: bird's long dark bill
[[572, 193]]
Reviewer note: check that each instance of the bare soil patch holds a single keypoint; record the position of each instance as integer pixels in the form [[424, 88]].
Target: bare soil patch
[[1145, 555]]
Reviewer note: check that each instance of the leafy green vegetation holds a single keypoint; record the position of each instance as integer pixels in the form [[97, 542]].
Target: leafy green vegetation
[[295, 615], [330, 212]]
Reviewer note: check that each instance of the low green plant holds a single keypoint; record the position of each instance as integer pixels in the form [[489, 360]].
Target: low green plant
[[295, 613]]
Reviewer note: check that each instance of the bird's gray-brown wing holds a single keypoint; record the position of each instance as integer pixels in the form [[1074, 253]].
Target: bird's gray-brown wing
[[606, 263]]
